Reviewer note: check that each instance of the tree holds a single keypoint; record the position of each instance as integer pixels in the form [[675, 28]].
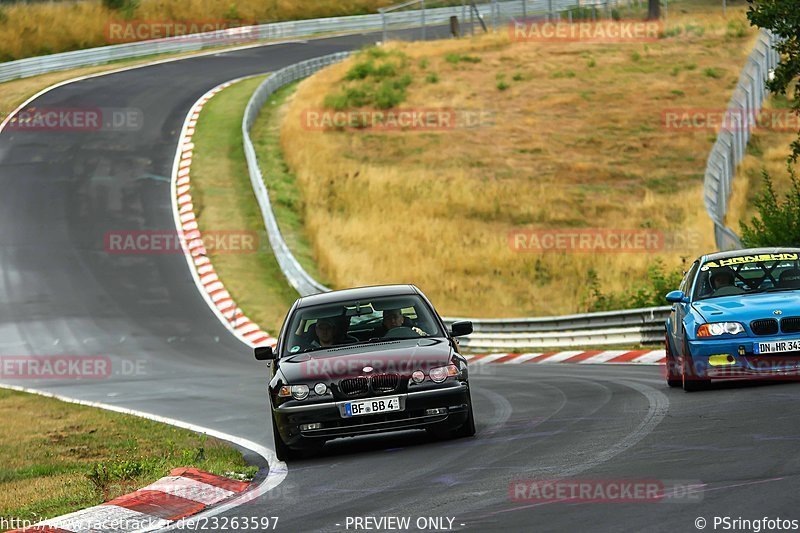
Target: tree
[[782, 17], [654, 10]]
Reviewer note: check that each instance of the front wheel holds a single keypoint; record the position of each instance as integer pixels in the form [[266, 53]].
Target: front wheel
[[282, 451], [673, 370], [690, 380], [468, 429]]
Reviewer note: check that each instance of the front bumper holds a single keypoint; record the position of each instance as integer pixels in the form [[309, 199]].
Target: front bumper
[[454, 397], [735, 358]]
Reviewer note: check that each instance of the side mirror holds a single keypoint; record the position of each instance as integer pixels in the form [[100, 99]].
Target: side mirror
[[677, 297], [264, 353], [461, 328]]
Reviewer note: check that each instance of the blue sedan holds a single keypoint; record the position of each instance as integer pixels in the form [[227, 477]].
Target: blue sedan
[[736, 315]]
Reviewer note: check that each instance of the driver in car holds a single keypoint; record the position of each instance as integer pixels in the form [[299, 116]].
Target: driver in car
[[723, 282], [393, 318], [326, 333]]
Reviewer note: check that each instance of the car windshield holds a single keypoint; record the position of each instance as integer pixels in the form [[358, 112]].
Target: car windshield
[[749, 274], [360, 322]]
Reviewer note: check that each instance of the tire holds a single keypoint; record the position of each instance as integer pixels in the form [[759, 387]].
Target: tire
[[282, 451], [690, 382], [468, 429], [674, 374], [465, 430]]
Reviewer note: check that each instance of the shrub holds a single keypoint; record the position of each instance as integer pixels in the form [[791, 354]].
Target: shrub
[[777, 222], [649, 293]]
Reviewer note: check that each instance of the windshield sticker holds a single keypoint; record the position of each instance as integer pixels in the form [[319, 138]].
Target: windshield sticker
[[742, 260]]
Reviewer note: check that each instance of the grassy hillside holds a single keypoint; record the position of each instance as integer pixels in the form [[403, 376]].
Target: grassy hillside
[[576, 139]]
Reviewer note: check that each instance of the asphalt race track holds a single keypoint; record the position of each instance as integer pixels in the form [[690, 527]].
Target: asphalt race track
[[61, 293]]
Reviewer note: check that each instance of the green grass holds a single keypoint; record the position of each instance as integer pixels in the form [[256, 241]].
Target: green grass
[[60, 457], [379, 79], [224, 201]]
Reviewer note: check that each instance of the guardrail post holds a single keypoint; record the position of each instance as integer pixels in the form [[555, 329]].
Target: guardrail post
[[423, 20]]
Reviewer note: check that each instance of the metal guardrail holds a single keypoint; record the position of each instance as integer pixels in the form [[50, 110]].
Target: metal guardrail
[[610, 328], [731, 144], [34, 66], [298, 278]]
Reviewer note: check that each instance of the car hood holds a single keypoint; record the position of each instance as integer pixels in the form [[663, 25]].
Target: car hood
[[393, 357], [749, 307]]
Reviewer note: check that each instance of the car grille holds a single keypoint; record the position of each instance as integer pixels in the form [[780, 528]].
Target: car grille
[[353, 386], [385, 382], [765, 326], [790, 324]]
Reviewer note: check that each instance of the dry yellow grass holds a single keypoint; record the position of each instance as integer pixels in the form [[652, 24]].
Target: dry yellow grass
[[577, 142], [768, 150], [48, 27]]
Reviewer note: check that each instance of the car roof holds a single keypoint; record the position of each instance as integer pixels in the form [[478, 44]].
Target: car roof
[[360, 292], [748, 251]]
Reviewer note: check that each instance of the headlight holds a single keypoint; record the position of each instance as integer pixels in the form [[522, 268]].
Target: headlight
[[418, 376], [443, 372], [716, 329], [320, 389], [298, 392]]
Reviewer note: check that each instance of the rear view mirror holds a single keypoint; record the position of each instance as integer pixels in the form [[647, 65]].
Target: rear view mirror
[[264, 353], [461, 328]]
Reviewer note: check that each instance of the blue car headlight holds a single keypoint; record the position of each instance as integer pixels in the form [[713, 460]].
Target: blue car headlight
[[716, 329]]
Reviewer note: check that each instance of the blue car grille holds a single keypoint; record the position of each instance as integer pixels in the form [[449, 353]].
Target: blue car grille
[[790, 325], [764, 326]]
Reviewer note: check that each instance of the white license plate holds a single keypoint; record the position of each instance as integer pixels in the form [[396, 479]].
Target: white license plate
[[777, 347], [373, 406]]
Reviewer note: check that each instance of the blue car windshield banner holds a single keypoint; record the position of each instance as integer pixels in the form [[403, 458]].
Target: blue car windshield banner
[[745, 259]]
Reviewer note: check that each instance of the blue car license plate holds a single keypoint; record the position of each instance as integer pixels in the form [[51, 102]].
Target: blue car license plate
[[762, 348]]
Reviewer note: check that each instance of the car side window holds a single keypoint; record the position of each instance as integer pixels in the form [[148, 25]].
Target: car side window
[[686, 284]]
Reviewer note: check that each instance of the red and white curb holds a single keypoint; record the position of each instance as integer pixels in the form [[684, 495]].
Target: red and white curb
[[186, 492], [206, 278], [640, 357]]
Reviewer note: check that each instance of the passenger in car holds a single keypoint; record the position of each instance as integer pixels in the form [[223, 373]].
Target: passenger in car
[[393, 318], [789, 279]]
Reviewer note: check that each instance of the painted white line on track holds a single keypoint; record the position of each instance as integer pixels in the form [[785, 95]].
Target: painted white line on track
[[277, 469]]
